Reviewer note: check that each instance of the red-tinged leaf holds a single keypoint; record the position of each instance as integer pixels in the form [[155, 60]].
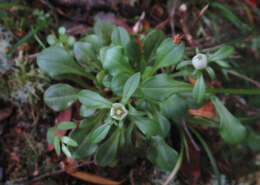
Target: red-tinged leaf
[[62, 117], [191, 168], [141, 44]]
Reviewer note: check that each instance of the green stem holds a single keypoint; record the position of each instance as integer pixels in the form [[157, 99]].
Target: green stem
[[235, 91], [39, 41], [177, 166], [24, 39]]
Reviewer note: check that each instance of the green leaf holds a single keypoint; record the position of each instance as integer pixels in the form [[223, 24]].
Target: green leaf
[[95, 41], [118, 82], [85, 148], [103, 29], [147, 126], [174, 107], [67, 140], [86, 111], [222, 63], [114, 61], [133, 112], [164, 125], [82, 136], [93, 100], [227, 13], [168, 54], [60, 96], [211, 73], [107, 81], [65, 150], [67, 125], [133, 51], [130, 87], [161, 86], [56, 61], [161, 154], [100, 133], [151, 43], [199, 90], [231, 130], [222, 53], [120, 36], [253, 140], [57, 145], [85, 54], [183, 64], [50, 135], [106, 153]]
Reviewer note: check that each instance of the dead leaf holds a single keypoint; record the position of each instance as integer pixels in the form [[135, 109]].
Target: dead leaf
[[207, 110], [191, 80], [178, 38], [94, 178]]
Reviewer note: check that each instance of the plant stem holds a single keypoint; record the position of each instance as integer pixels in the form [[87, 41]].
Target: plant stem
[[177, 166], [39, 41], [235, 91], [256, 83]]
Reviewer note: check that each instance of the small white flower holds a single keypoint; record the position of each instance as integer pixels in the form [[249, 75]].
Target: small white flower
[[200, 61], [118, 111]]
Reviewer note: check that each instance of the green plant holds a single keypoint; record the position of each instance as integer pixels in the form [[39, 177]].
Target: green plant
[[147, 97]]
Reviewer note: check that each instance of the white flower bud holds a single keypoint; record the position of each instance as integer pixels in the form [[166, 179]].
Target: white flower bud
[[118, 111], [62, 30], [200, 61]]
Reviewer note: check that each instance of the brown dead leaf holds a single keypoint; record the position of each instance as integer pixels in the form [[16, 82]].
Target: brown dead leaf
[[178, 38], [191, 80], [207, 110], [87, 177]]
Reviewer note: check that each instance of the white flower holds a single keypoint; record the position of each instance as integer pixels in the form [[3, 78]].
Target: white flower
[[118, 111], [200, 61]]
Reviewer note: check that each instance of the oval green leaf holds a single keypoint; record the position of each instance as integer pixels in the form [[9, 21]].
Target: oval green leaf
[[231, 129], [130, 87], [106, 153], [161, 154], [93, 100], [66, 125], [60, 96], [56, 61], [199, 90]]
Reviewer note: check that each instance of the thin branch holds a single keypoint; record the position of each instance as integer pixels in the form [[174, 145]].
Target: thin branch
[[48, 174], [256, 83], [189, 135]]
